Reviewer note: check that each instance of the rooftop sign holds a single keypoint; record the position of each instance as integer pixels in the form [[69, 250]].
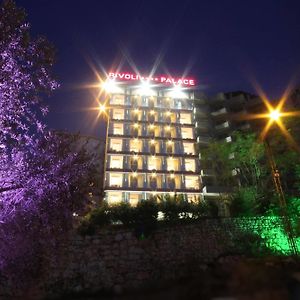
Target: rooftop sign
[[155, 79]]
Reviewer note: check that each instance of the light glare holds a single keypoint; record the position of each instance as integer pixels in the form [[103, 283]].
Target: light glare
[[275, 115]]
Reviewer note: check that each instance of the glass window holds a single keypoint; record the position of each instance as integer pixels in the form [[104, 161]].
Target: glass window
[[153, 163], [115, 179], [136, 145], [187, 133], [192, 182], [118, 114], [188, 148], [190, 165], [133, 199], [117, 100], [185, 118], [114, 197], [118, 128], [116, 161], [172, 164], [116, 144]]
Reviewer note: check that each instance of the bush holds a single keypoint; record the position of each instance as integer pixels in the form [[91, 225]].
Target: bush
[[176, 209], [123, 213], [200, 209], [98, 217], [145, 221]]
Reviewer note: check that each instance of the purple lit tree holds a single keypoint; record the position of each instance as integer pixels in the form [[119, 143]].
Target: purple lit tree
[[42, 182]]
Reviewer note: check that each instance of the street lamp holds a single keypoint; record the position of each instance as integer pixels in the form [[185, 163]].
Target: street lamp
[[274, 116]]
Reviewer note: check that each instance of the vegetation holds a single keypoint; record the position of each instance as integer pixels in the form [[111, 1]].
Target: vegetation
[[43, 181], [144, 217]]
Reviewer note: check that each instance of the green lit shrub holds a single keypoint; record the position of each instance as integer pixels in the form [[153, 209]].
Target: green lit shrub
[[251, 244]]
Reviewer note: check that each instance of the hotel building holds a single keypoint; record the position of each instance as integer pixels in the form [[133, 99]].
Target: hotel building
[[150, 147]]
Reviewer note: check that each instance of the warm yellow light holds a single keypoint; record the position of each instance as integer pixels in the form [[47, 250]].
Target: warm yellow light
[[136, 125], [169, 142], [152, 112], [134, 174], [135, 157], [275, 115], [136, 111], [151, 126], [152, 142], [136, 140], [102, 108], [153, 174], [172, 176], [168, 113], [168, 128]]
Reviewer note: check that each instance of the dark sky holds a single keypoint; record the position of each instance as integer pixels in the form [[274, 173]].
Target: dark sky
[[222, 44]]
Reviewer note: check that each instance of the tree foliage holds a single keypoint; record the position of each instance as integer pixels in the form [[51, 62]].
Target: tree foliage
[[42, 181]]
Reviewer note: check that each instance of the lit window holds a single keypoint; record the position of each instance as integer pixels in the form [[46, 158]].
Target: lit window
[[116, 161], [118, 114], [116, 144], [114, 197], [172, 164], [190, 165], [116, 179], [192, 182], [117, 100], [135, 145], [152, 163], [118, 128], [185, 118], [187, 132], [188, 148], [134, 199]]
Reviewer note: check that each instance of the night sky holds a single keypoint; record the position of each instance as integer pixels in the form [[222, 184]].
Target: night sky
[[222, 44]]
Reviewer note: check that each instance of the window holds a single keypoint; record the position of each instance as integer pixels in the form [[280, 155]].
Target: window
[[116, 144], [117, 100], [118, 128], [152, 163], [134, 199], [192, 182], [116, 162], [115, 179], [135, 145], [185, 118], [114, 197], [190, 165], [188, 148], [187, 133], [118, 114], [172, 164]]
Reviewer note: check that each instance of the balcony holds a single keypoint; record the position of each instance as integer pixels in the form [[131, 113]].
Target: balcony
[[222, 126], [219, 112]]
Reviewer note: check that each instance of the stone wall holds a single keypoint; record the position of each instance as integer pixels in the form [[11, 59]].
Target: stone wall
[[114, 259]]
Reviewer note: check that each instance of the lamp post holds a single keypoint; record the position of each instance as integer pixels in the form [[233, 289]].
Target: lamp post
[[274, 115]]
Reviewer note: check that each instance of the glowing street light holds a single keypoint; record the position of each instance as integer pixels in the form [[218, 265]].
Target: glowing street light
[[102, 108], [109, 85], [275, 115]]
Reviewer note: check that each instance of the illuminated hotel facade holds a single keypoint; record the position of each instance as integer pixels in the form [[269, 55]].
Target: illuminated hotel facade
[[150, 146]]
